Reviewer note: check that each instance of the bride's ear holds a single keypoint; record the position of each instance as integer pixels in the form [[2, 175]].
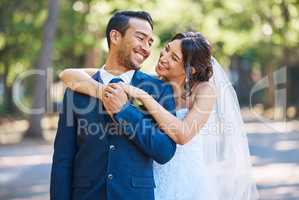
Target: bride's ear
[[193, 70]]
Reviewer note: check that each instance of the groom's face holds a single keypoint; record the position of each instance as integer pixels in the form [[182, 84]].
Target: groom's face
[[136, 43]]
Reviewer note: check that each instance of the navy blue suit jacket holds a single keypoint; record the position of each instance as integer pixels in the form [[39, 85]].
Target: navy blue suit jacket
[[96, 157]]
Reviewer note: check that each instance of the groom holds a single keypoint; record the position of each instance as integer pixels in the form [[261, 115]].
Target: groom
[[105, 149]]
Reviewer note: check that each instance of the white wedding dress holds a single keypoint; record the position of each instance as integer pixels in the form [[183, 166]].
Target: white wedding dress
[[215, 163], [184, 177]]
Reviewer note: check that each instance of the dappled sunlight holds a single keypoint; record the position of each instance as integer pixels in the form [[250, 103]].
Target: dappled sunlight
[[24, 160], [270, 127], [278, 181], [274, 174], [29, 192], [274, 156], [280, 192], [286, 145], [275, 159]]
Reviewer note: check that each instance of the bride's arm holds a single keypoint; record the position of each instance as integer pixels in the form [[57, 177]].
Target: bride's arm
[[181, 131], [80, 80]]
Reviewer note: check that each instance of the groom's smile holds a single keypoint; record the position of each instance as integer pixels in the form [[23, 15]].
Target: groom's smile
[[141, 55]]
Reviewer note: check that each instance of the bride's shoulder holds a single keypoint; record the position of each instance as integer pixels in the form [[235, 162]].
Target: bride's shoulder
[[204, 88], [204, 94]]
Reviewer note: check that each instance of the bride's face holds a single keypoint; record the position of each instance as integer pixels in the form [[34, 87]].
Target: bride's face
[[170, 65]]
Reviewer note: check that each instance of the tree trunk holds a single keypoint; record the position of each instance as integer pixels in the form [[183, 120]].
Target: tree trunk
[[286, 64], [270, 92], [43, 63], [7, 100]]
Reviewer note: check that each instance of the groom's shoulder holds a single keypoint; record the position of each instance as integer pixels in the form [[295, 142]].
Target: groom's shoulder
[[153, 79], [157, 85]]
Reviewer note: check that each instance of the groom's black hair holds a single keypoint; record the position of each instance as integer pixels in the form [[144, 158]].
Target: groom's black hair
[[120, 21]]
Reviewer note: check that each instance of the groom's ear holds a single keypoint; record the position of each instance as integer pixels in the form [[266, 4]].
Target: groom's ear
[[115, 36]]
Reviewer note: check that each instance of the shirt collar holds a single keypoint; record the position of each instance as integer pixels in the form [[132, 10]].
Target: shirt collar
[[107, 77]]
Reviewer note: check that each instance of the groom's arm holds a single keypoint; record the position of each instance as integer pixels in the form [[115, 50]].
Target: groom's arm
[[64, 152], [142, 129]]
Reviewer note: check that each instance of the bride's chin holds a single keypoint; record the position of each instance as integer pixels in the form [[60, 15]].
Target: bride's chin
[[161, 77], [159, 72]]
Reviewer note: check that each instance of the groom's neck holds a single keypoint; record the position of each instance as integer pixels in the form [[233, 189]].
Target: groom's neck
[[115, 70], [114, 67]]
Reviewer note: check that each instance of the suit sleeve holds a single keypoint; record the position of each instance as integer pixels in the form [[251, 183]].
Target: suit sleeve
[[64, 152], [142, 129]]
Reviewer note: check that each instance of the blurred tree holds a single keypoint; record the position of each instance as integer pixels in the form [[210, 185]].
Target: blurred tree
[[44, 62], [248, 35], [19, 28]]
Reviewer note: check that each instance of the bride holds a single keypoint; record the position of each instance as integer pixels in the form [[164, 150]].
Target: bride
[[212, 160]]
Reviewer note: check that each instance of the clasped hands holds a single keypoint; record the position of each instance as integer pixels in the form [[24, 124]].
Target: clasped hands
[[115, 96]]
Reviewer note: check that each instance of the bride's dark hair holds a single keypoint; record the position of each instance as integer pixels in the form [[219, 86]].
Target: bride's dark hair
[[197, 54]]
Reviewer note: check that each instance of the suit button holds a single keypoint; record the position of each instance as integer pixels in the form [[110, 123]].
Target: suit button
[[110, 176], [112, 147]]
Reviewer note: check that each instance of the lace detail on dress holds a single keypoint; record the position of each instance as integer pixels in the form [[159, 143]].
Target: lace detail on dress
[[181, 178]]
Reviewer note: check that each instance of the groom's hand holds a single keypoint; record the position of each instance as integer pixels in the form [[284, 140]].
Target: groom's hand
[[114, 98]]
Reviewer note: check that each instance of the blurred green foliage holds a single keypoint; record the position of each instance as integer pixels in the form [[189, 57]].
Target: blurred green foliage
[[261, 32]]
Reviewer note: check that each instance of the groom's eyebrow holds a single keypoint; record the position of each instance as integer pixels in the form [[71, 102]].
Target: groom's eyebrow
[[145, 35]]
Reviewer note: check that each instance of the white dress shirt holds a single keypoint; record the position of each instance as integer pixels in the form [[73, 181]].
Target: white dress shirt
[[107, 77]]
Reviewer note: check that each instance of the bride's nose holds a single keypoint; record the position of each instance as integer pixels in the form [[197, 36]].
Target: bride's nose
[[163, 57]]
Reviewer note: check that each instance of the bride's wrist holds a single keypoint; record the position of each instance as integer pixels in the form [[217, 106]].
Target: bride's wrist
[[144, 96], [100, 92]]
